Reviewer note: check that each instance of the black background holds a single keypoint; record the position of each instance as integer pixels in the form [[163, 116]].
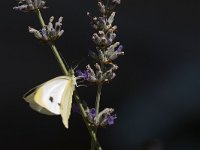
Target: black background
[[156, 94]]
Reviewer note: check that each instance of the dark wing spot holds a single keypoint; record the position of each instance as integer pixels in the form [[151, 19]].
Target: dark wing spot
[[51, 99], [58, 104]]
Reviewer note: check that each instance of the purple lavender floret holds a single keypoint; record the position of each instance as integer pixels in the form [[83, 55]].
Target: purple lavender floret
[[106, 118], [120, 48], [110, 119], [102, 119], [85, 75], [92, 113]]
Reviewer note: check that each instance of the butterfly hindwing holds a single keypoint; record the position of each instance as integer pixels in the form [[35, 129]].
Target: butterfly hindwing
[[29, 97]]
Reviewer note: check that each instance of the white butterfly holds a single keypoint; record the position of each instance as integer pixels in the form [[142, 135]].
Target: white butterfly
[[53, 97]]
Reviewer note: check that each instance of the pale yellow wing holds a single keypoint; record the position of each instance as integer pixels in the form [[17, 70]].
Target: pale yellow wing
[[66, 102], [38, 97], [29, 97]]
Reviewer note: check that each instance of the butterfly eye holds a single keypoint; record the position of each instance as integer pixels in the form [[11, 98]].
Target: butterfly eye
[[51, 99]]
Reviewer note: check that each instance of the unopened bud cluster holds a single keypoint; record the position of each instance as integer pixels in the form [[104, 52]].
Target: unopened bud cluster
[[30, 5], [49, 33]]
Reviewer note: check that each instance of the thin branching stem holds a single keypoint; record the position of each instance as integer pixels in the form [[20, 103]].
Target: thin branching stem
[[59, 59], [65, 71], [98, 98], [97, 106]]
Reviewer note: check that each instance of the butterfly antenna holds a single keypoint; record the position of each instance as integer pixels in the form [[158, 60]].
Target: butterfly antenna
[[82, 85], [80, 81], [79, 62]]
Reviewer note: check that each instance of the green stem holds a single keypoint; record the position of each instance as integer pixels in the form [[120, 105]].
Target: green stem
[[59, 59], [64, 69], [98, 98], [107, 3], [39, 15], [97, 106], [84, 116]]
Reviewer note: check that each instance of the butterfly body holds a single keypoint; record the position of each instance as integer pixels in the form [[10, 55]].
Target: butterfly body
[[53, 97]]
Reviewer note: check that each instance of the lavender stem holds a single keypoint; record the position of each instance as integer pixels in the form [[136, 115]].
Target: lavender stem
[[98, 98], [97, 106]]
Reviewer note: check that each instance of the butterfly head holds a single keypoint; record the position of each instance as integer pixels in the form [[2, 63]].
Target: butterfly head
[[72, 76]]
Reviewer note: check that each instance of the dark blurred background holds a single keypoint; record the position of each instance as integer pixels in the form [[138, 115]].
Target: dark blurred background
[[156, 94]]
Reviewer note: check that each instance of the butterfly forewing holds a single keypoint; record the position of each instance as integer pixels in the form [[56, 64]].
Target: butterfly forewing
[[49, 95]]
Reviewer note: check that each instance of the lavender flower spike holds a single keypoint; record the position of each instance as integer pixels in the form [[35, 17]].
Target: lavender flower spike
[[49, 33], [30, 5], [103, 119]]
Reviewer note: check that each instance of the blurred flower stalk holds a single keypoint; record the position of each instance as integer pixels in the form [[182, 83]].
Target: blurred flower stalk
[[104, 69]]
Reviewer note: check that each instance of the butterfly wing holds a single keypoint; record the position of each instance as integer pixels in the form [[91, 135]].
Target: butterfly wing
[[29, 97], [46, 98], [66, 102]]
